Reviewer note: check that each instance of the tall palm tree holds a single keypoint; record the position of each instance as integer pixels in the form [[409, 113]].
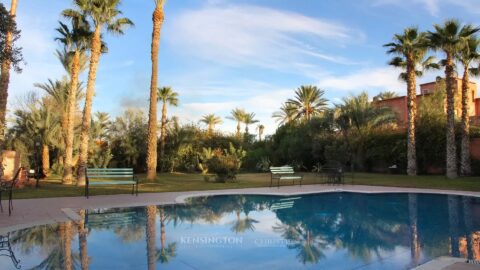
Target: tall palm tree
[[466, 55], [211, 120], [151, 236], [168, 97], [448, 38], [237, 115], [410, 48], [308, 102], [5, 77], [76, 42], [260, 129], [166, 252], [157, 18], [101, 14], [286, 114], [249, 119]]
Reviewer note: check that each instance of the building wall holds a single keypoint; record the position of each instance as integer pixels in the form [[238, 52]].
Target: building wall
[[428, 88], [399, 106]]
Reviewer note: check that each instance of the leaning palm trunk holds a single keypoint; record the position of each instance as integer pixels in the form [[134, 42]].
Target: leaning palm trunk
[[412, 112], [87, 110], [451, 147], [5, 80], [163, 135], [82, 240], [70, 120], [45, 160], [151, 235], [152, 114], [465, 167]]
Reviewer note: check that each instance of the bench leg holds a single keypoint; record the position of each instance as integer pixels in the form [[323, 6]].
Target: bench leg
[[278, 183], [271, 181], [136, 186], [86, 191], [10, 203], [1, 206]]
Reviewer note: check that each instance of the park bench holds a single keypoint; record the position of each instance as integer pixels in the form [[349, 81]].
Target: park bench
[[110, 177], [284, 173]]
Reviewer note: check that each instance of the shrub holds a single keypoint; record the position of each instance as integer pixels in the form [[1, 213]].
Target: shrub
[[226, 164]]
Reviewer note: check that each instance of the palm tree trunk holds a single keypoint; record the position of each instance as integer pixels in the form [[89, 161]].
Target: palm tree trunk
[[238, 129], [5, 80], [451, 146], [151, 235], [157, 19], [465, 167], [82, 240], [469, 227], [453, 221], [70, 120], [210, 130], [162, 229], [412, 113], [413, 219], [87, 110], [67, 245], [45, 160], [163, 135]]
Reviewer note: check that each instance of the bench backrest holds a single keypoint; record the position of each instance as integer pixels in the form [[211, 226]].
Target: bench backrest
[[282, 170], [96, 173]]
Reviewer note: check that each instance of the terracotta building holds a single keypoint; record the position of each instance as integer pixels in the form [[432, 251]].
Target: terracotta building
[[399, 104]]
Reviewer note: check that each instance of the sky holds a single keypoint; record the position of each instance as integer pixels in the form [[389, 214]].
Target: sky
[[252, 54]]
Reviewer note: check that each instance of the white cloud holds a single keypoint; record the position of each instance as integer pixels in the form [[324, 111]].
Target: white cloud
[[258, 36], [376, 78], [434, 6]]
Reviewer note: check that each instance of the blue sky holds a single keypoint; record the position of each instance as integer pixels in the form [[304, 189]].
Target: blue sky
[[222, 54]]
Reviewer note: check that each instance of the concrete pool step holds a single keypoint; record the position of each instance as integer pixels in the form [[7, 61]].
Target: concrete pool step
[[448, 263]]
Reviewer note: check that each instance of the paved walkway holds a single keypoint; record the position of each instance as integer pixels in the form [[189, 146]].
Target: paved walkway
[[32, 212]]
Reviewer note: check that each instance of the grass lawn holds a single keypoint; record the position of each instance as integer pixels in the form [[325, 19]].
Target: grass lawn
[[190, 182]]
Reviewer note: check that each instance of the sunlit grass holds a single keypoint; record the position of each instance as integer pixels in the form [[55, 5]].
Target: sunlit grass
[[192, 182]]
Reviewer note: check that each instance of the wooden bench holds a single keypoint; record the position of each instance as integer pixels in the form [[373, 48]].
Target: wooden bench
[[110, 177], [284, 173]]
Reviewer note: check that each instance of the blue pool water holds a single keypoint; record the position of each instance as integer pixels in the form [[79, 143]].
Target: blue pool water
[[327, 231]]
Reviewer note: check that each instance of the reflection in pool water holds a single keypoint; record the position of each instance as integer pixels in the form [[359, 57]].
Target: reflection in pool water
[[328, 231]]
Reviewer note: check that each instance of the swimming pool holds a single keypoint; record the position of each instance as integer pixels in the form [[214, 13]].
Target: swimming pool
[[323, 231]]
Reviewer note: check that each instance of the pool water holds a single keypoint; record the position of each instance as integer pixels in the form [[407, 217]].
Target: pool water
[[324, 231]]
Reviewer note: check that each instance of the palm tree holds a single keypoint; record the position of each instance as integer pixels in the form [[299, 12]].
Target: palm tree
[[308, 102], [448, 38], [76, 43], [410, 48], [260, 129], [5, 73], [157, 18], [385, 95], [43, 122], [356, 118], [166, 252], [248, 119], [285, 115], [237, 115], [168, 97], [211, 120], [466, 55], [101, 14]]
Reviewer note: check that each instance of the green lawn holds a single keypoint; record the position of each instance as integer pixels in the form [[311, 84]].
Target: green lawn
[[191, 182]]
